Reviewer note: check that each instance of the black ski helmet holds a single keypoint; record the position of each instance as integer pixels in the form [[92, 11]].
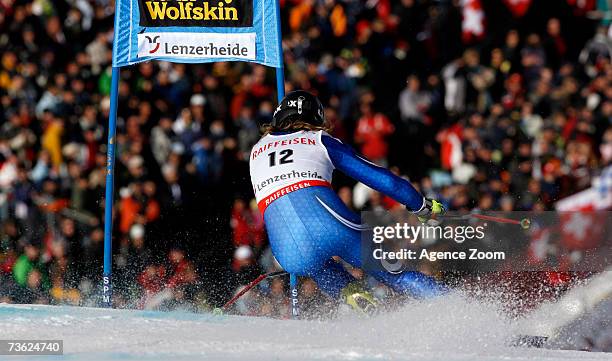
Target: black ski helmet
[[299, 105]]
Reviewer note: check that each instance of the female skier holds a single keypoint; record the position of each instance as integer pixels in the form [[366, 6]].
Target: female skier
[[291, 170]]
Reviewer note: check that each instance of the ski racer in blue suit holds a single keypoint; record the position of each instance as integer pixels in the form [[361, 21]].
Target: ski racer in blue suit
[[307, 223]]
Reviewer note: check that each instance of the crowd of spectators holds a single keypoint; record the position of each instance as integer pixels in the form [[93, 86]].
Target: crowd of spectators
[[514, 121]]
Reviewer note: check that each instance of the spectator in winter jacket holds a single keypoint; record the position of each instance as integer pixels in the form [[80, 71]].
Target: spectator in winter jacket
[[413, 102], [371, 134], [27, 263], [52, 142], [244, 266]]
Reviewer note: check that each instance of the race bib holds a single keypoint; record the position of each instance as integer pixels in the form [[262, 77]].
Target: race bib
[[281, 164]]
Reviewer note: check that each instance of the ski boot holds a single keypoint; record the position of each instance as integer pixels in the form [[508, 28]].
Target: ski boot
[[359, 299]]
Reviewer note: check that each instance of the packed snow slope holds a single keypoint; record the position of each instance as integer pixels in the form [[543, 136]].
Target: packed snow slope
[[450, 328]]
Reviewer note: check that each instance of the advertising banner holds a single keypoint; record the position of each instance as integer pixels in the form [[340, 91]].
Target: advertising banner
[[196, 31]]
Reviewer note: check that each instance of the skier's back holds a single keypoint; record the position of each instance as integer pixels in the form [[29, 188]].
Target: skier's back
[[307, 223]]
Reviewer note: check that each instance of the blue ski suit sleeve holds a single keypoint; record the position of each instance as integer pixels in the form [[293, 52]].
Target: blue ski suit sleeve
[[350, 163]]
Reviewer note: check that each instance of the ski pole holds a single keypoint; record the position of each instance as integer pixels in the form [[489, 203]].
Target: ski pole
[[248, 287], [524, 223]]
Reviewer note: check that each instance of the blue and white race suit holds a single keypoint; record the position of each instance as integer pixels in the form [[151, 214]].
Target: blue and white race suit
[[307, 223]]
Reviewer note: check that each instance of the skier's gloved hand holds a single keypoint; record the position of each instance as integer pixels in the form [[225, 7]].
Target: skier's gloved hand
[[430, 212]]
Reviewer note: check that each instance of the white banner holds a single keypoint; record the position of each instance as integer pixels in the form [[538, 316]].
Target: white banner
[[197, 45]]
